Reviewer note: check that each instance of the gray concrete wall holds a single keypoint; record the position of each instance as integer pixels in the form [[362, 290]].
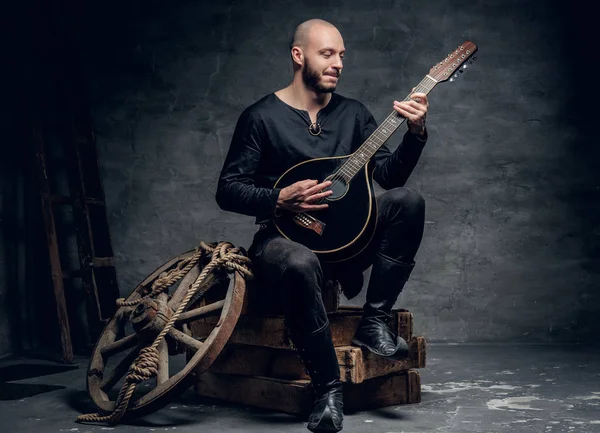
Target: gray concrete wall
[[511, 243]]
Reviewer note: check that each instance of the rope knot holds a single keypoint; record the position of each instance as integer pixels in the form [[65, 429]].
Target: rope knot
[[145, 366]]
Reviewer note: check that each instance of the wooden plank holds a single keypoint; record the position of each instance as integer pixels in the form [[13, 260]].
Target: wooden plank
[[405, 325], [414, 387], [378, 392], [52, 244], [294, 396], [245, 360], [405, 319], [100, 262], [365, 365], [356, 365], [283, 396], [271, 331]]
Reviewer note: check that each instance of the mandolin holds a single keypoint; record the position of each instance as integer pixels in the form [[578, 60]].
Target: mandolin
[[346, 227]]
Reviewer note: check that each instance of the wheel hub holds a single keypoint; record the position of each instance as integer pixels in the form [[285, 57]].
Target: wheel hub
[[149, 317]]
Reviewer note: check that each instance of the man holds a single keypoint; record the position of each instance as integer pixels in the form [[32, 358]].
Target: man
[[308, 120]]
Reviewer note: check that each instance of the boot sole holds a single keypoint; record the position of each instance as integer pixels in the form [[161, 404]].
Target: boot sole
[[325, 424]]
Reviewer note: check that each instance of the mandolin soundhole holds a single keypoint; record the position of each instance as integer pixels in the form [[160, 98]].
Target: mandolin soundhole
[[339, 188]]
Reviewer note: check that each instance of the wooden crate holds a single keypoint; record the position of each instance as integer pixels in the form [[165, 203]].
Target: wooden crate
[[270, 331], [356, 365], [259, 366], [295, 397]]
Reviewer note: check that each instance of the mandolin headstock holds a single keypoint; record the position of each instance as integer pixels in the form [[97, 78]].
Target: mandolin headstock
[[455, 63]]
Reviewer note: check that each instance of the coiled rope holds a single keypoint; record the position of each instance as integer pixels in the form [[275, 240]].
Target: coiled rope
[[224, 256]]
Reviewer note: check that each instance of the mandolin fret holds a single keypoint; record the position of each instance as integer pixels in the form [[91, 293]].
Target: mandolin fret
[[365, 152]]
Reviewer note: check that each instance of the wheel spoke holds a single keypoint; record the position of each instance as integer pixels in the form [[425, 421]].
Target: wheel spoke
[[197, 313], [119, 346], [120, 369], [185, 283], [163, 352], [163, 363], [186, 340], [179, 295]]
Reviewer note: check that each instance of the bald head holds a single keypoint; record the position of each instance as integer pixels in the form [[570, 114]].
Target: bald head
[[303, 32], [317, 52]]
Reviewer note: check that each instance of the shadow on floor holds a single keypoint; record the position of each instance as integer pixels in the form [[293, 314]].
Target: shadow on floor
[[17, 391], [80, 402]]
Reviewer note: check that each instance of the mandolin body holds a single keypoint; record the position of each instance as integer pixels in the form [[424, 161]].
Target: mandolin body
[[346, 227]]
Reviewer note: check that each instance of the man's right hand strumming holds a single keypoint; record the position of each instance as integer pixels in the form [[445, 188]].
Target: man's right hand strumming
[[302, 196]]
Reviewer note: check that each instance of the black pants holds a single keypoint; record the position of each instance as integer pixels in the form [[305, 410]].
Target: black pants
[[292, 274]]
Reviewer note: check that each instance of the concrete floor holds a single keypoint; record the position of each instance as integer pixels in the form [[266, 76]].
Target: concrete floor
[[466, 388]]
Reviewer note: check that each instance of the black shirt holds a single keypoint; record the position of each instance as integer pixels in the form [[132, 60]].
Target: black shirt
[[272, 136]]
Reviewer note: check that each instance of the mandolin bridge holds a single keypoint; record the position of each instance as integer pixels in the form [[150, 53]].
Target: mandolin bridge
[[309, 222]]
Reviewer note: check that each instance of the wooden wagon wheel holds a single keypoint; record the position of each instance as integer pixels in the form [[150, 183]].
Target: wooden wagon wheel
[[132, 328]]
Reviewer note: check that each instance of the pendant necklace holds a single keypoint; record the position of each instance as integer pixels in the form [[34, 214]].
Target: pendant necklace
[[314, 128]]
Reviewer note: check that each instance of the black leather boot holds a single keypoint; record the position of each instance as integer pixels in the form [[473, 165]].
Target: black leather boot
[[388, 277], [318, 354], [328, 408]]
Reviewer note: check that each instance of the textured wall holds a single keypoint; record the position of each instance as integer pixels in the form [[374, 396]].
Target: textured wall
[[511, 244]]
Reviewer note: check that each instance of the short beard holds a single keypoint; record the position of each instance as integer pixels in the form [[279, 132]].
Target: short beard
[[312, 78]]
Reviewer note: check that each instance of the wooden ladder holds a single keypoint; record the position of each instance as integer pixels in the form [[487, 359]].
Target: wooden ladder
[[70, 135]]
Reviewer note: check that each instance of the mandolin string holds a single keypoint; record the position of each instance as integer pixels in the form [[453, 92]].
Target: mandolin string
[[421, 87], [339, 175], [378, 135]]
